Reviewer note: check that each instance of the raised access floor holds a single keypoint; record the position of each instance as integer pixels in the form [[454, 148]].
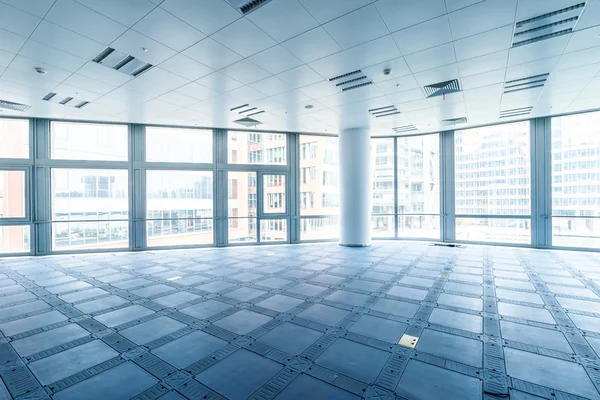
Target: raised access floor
[[315, 321]]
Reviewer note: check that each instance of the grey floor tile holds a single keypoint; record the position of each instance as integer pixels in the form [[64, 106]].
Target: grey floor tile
[[175, 299], [464, 288], [123, 315], [514, 284], [152, 330], [16, 298], [306, 289], [79, 285], [31, 323], [32, 306], [549, 339], [290, 338], [188, 349], [247, 277], [453, 319], [323, 314], [296, 274], [245, 294], [274, 283], [470, 303], [585, 322], [346, 297], [206, 309], [279, 303], [379, 328], [354, 360], [524, 312], [243, 322], [364, 285], [153, 290], [101, 304], [82, 295], [249, 371], [513, 295], [396, 307], [307, 387], [421, 282], [452, 347], [126, 285], [216, 287], [406, 292], [581, 305], [49, 339]]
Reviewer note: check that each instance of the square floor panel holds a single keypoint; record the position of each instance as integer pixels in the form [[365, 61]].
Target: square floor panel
[[409, 293], [243, 322], [328, 279], [470, 303], [239, 375], [153, 290], [152, 330], [274, 283], [48, 339], [524, 312], [586, 323], [307, 387], [123, 315], [306, 289], [247, 277], [31, 323], [476, 290], [323, 314], [550, 372], [279, 303], [453, 347], [426, 381], [245, 294], [546, 338], [513, 295], [377, 276], [354, 359], [206, 309], [581, 305], [290, 338], [360, 284], [379, 328], [101, 304], [514, 284], [216, 287], [411, 280], [453, 319], [296, 274], [175, 299], [349, 298], [82, 295], [396, 307], [188, 349], [572, 291]]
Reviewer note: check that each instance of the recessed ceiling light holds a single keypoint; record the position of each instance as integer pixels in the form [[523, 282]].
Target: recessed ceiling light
[[308, 106], [144, 49], [40, 71]]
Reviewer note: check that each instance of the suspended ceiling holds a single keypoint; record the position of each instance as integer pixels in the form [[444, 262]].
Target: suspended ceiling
[[287, 61]]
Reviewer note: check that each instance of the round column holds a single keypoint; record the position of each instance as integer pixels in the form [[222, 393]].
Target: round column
[[355, 187]]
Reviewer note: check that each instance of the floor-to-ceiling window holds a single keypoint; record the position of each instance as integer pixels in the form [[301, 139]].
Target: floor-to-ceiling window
[[383, 203], [576, 180], [319, 187], [492, 183]]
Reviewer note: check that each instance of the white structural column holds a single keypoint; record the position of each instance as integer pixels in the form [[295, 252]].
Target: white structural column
[[355, 187]]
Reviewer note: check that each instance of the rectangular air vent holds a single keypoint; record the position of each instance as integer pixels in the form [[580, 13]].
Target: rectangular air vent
[[247, 6], [442, 88], [454, 121], [546, 26], [65, 101], [384, 111], [529, 82], [247, 122], [351, 80], [9, 105], [122, 62], [247, 110], [404, 129], [514, 112]]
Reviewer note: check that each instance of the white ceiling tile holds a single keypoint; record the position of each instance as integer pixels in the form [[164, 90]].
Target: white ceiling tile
[[16, 21], [271, 86], [492, 93], [208, 16], [125, 12], [65, 40], [590, 103], [374, 52], [168, 30], [267, 104], [453, 5], [276, 59], [400, 14], [186, 67], [104, 74], [244, 38], [269, 16], [28, 66], [325, 11], [216, 104], [219, 82], [423, 36], [5, 58], [300, 76], [397, 68], [440, 74], [29, 78], [579, 58], [413, 105], [483, 64], [123, 99], [51, 56], [538, 50], [532, 68], [38, 8], [178, 99], [64, 90], [566, 75], [11, 42], [583, 39], [312, 45], [591, 90], [82, 20], [245, 72], [442, 101], [529, 97], [335, 65], [555, 89], [212, 53], [358, 27], [132, 42], [532, 8], [484, 79], [156, 106], [155, 82], [398, 84], [246, 94], [469, 21], [454, 110], [89, 84], [431, 58], [422, 117], [407, 96], [197, 91], [591, 15], [484, 43], [320, 89], [290, 98], [27, 92]]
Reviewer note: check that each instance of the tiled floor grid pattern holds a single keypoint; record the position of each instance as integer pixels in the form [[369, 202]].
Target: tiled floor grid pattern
[[302, 322]]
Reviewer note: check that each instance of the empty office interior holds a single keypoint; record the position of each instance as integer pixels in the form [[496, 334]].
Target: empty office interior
[[300, 199]]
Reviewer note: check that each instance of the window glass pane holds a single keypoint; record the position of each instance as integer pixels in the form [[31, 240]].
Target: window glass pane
[[242, 203], [492, 170], [242, 230], [419, 226], [319, 228], [501, 230], [382, 226], [319, 175], [14, 239], [273, 230], [79, 141], [274, 194], [256, 148], [382, 166], [418, 175], [99, 196], [14, 138], [178, 145], [179, 206], [12, 194], [576, 180]]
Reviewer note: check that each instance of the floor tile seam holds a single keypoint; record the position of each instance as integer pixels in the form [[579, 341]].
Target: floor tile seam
[[539, 350]]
